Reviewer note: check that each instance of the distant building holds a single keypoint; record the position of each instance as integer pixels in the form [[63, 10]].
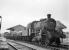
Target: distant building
[[18, 30], [60, 25]]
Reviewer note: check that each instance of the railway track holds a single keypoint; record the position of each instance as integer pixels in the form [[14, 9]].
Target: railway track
[[53, 47], [18, 46], [21, 46], [12, 47], [61, 47]]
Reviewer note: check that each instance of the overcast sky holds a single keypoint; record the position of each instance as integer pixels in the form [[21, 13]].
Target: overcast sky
[[22, 12]]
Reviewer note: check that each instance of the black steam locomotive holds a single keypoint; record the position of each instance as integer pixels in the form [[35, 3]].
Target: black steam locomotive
[[39, 33]]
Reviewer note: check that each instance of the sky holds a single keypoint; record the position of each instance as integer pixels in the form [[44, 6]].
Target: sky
[[15, 12]]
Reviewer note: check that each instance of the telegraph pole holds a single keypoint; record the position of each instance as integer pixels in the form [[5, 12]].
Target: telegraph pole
[[0, 24]]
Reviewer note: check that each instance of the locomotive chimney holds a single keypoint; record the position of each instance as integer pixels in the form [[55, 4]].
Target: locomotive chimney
[[48, 15]]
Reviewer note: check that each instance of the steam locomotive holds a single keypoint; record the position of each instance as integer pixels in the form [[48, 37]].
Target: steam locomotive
[[38, 32]]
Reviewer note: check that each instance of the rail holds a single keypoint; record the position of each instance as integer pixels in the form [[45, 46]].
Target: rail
[[12, 46], [18, 46]]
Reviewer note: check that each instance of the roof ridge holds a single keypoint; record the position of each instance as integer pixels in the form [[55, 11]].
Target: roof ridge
[[16, 26]]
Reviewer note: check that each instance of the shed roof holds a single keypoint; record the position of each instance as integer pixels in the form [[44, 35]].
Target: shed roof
[[12, 28]]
